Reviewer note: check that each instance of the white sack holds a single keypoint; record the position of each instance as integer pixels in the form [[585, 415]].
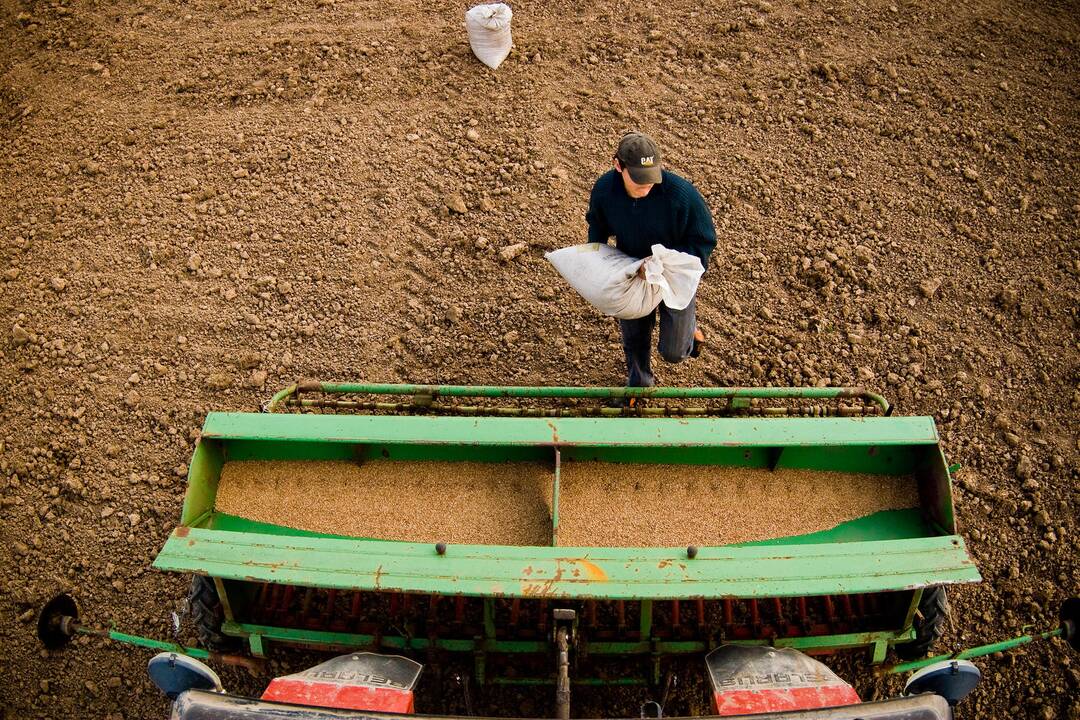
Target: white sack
[[676, 273], [608, 278], [489, 32]]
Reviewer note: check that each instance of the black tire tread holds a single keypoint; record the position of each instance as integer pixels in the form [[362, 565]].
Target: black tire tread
[[929, 624], [207, 614]]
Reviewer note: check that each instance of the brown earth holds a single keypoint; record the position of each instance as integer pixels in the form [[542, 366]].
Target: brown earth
[[201, 201]]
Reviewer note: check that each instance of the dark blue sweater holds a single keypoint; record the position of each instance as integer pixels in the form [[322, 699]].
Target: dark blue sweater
[[673, 214]]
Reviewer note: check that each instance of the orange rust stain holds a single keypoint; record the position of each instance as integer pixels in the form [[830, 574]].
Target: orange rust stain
[[592, 570], [663, 564], [543, 588], [554, 433], [577, 567], [540, 589], [182, 531]]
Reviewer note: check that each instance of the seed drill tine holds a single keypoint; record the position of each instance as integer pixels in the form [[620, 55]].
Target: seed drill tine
[[565, 621], [562, 686]]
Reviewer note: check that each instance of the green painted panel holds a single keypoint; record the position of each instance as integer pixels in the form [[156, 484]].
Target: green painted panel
[[935, 489], [882, 459], [886, 460], [607, 573], [679, 432], [884, 525], [472, 453], [203, 473], [237, 450], [892, 460], [755, 457], [358, 451], [233, 523]]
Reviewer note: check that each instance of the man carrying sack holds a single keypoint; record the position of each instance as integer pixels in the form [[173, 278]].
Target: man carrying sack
[[642, 205]]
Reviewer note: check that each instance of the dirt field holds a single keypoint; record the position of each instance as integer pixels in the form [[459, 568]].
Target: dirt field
[[202, 201]]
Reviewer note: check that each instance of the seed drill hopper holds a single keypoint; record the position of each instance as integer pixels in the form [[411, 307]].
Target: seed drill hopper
[[548, 613]]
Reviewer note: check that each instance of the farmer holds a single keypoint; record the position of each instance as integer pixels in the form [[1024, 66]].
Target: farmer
[[642, 205]]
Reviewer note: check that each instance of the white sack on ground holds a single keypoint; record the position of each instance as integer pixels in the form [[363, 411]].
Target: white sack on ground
[[489, 32], [608, 278]]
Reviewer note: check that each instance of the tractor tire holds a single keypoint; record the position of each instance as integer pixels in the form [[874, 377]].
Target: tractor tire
[[207, 614], [929, 623]]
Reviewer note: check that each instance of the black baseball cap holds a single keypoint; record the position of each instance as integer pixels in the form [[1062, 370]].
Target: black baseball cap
[[639, 154]]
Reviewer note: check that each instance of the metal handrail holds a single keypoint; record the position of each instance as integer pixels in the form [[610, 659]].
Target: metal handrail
[[489, 391]]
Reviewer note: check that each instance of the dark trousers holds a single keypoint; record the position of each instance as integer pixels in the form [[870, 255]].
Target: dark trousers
[[676, 341]]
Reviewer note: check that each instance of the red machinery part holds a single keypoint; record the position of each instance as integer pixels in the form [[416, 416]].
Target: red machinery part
[[357, 681], [202, 705], [748, 680]]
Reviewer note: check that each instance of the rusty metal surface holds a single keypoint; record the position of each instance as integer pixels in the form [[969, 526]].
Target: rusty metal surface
[[549, 572]]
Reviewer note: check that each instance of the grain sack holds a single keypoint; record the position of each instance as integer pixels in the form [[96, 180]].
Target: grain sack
[[676, 274], [608, 278], [489, 32]]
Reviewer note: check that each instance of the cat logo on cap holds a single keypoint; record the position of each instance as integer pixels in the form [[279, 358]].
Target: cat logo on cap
[[647, 161]]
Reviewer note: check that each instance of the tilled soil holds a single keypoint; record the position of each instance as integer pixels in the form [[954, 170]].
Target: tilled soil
[[203, 201]]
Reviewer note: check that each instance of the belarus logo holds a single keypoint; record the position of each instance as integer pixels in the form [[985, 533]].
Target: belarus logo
[[647, 161]]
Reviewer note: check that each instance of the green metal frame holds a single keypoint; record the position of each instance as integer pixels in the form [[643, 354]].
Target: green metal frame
[[890, 551], [894, 445], [980, 651], [257, 634]]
